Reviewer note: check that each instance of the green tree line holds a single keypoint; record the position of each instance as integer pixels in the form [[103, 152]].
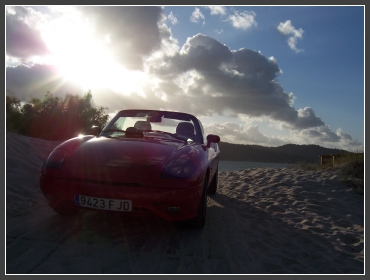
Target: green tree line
[[54, 118]]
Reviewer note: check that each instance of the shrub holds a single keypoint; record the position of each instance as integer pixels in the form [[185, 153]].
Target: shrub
[[348, 167], [54, 118]]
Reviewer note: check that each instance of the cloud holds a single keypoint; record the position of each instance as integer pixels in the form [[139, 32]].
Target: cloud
[[292, 34], [242, 81], [23, 38], [242, 20], [325, 136], [217, 10], [343, 135], [35, 81], [321, 133], [204, 77], [172, 19], [197, 16], [134, 31], [306, 119], [242, 134]]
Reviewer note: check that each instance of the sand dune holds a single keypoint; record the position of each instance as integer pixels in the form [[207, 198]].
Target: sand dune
[[261, 221]]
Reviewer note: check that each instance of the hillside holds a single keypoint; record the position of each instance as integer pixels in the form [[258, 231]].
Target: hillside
[[290, 153]]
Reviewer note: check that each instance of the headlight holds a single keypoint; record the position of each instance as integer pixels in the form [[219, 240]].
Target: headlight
[[178, 168], [56, 158]]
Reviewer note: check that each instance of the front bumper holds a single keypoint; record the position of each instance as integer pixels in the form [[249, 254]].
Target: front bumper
[[163, 202]]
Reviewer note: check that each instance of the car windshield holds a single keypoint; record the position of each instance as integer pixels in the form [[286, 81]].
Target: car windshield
[[173, 126]]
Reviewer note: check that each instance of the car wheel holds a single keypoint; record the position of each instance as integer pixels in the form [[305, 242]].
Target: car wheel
[[213, 186], [199, 221], [66, 211]]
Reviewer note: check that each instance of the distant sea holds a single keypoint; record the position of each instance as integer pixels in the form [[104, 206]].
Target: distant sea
[[240, 165]]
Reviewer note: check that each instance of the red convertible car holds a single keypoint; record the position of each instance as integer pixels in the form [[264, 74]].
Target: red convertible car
[[142, 162]]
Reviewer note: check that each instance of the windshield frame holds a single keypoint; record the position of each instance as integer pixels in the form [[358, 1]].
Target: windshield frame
[[155, 116]]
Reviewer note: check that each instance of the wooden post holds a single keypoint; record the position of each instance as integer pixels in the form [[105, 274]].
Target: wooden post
[[325, 159]]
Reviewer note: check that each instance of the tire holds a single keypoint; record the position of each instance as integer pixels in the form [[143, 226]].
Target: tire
[[213, 186], [200, 220], [66, 211]]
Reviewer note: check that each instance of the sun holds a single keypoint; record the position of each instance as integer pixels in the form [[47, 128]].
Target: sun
[[76, 53], [83, 58]]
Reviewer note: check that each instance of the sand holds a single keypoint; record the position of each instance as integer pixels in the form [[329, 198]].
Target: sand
[[261, 221]]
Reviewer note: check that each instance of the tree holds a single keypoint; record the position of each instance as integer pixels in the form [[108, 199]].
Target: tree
[[13, 113], [54, 118]]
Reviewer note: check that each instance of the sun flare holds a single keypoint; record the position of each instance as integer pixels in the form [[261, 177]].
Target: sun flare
[[84, 59]]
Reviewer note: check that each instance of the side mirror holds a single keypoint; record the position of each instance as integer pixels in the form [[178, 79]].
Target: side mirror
[[94, 130], [211, 138]]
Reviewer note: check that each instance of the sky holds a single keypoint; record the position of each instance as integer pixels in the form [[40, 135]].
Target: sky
[[264, 75]]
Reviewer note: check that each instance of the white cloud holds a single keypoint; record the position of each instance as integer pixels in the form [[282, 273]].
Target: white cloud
[[307, 118], [197, 16], [242, 134], [324, 136], [172, 19], [217, 10], [242, 20], [287, 29]]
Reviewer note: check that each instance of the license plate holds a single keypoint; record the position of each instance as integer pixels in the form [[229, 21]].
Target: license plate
[[103, 203]]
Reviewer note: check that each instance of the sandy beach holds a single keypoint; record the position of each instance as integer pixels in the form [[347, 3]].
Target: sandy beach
[[261, 221]]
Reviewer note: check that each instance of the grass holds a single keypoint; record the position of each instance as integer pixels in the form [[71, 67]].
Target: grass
[[348, 167], [303, 165]]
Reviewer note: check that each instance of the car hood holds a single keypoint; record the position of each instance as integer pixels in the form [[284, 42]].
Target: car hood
[[98, 157]]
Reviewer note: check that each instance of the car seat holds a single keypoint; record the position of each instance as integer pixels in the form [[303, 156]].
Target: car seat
[[186, 129], [143, 125]]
